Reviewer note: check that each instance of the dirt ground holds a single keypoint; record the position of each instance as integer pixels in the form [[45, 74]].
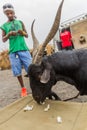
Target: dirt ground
[[10, 89]]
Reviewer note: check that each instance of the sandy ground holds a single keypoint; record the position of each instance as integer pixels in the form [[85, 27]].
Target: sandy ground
[[10, 89]]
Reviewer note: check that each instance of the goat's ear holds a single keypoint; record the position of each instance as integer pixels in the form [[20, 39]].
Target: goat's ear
[[45, 77]]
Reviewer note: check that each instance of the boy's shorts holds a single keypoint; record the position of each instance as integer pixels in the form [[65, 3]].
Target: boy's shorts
[[18, 60]]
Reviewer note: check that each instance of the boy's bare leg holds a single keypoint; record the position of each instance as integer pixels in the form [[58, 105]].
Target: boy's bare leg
[[20, 79], [24, 91]]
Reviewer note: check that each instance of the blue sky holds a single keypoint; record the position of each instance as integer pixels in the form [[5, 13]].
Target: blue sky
[[44, 12]]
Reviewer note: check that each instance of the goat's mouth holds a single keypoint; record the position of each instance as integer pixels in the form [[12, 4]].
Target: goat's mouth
[[39, 99]]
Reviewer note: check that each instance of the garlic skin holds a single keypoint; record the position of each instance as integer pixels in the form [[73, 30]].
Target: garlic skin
[[47, 108], [59, 119], [28, 108]]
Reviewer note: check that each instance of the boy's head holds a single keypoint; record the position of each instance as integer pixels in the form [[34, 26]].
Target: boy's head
[[8, 9]]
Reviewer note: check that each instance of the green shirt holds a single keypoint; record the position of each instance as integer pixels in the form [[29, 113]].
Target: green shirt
[[16, 43]]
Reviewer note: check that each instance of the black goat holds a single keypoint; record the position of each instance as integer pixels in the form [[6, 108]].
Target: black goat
[[68, 66]]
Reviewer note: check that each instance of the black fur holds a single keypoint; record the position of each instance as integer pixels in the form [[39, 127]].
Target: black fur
[[68, 66]]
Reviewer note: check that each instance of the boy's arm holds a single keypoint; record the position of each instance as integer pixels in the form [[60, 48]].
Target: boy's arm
[[23, 32], [5, 36], [26, 34]]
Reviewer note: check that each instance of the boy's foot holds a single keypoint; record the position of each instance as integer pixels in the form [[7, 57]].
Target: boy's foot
[[23, 92]]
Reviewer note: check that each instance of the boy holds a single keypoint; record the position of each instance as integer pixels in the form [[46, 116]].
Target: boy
[[19, 55]]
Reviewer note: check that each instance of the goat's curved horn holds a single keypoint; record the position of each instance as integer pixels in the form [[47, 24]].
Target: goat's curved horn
[[51, 34], [35, 41]]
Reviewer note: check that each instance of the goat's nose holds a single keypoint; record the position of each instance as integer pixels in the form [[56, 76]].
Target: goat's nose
[[37, 99]]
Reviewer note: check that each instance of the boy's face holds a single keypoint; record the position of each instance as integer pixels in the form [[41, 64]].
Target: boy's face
[[10, 14]]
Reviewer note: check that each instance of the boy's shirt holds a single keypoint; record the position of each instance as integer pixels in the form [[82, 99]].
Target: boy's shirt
[[16, 43]]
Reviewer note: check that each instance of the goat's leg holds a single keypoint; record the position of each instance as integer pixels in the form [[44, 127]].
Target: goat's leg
[[54, 96]]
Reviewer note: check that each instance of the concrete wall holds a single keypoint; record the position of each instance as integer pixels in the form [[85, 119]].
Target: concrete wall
[[79, 29]]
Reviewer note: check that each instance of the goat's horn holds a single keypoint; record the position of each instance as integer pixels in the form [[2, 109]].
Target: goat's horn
[[50, 35], [35, 41]]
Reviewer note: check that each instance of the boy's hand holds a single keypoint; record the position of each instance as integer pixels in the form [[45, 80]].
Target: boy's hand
[[12, 33], [21, 32]]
